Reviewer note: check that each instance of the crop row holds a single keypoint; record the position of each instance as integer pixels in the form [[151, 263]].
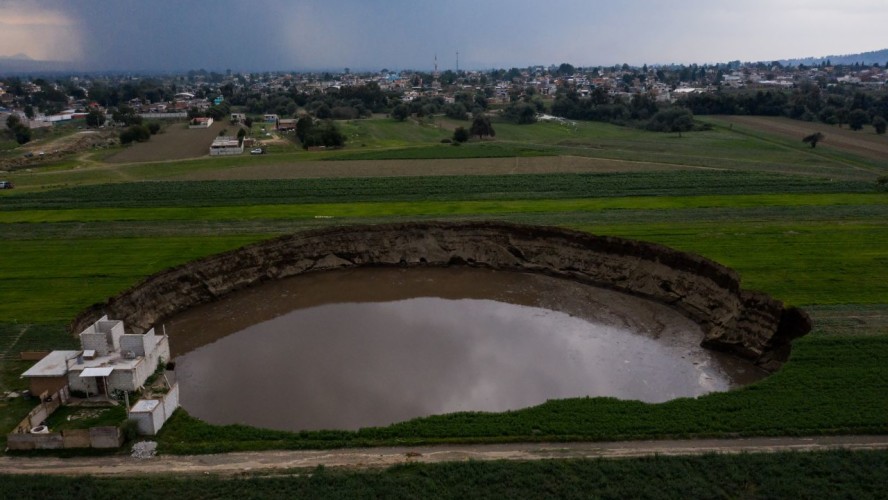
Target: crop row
[[498, 187], [829, 474]]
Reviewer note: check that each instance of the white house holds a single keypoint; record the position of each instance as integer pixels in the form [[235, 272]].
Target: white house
[[109, 360], [201, 122]]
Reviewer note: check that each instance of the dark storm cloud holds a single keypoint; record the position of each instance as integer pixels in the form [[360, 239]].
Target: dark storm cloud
[[371, 34]]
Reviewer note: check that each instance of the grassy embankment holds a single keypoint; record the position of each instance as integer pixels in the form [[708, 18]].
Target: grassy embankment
[[808, 240]]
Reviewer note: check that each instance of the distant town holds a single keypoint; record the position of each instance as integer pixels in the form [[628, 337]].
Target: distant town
[[852, 94]]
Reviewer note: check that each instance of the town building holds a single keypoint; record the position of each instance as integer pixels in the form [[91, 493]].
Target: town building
[[226, 145]]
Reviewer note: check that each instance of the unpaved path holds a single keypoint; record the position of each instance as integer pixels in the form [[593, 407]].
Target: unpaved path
[[271, 462]]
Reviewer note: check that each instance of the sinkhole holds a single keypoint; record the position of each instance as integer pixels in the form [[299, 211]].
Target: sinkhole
[[371, 346]]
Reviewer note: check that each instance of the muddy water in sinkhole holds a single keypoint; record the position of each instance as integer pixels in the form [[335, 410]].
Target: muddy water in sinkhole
[[369, 347]]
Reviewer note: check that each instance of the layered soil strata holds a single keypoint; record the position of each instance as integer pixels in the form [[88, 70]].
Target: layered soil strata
[[749, 324]]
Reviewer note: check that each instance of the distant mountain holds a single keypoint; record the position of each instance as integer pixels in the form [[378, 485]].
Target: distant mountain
[[17, 57], [22, 64], [865, 58]]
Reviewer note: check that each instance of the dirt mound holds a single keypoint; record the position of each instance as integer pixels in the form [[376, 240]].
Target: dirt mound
[[59, 148]]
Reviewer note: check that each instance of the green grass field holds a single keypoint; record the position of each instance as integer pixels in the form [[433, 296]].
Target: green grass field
[[833, 474], [810, 229]]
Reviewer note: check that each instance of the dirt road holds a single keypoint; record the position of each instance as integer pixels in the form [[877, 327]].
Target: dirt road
[[282, 461]]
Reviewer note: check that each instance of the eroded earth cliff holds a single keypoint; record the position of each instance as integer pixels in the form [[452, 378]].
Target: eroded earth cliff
[[749, 324]]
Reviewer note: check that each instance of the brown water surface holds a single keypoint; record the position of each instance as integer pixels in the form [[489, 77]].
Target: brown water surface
[[369, 347]]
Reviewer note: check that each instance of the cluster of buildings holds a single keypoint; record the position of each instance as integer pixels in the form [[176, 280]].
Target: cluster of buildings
[[201, 90]]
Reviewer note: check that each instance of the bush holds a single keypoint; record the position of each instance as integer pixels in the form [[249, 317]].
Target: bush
[[400, 112], [460, 135], [879, 124], [344, 113], [153, 128], [130, 430], [456, 111], [671, 120], [521, 113], [137, 133], [325, 134]]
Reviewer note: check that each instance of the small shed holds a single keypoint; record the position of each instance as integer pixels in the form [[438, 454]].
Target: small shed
[[148, 414]]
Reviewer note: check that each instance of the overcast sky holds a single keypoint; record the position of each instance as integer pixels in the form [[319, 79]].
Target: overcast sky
[[250, 35]]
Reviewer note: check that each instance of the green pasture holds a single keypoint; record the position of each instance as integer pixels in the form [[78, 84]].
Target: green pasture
[[425, 188], [878, 202], [387, 139]]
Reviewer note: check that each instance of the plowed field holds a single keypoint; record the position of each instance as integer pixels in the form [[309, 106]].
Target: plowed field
[[865, 142]]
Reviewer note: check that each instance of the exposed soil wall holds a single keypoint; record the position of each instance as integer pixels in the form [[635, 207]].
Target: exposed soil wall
[[749, 324]]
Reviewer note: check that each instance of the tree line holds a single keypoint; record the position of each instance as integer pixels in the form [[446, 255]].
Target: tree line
[[809, 102]]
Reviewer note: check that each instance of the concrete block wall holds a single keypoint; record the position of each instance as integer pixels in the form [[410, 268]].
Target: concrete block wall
[[105, 437], [76, 438], [96, 341], [170, 402], [135, 343], [149, 423]]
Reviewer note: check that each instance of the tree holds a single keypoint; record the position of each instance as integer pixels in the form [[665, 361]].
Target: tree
[[457, 111], [137, 133], [248, 122], [565, 69], [460, 134], [813, 139], [126, 115], [857, 119], [29, 112], [95, 118], [153, 128], [323, 112], [674, 119], [326, 134], [481, 126], [879, 124], [521, 113], [22, 134], [12, 121], [400, 112], [303, 126]]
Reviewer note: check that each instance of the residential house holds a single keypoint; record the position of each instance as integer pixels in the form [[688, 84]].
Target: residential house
[[109, 360]]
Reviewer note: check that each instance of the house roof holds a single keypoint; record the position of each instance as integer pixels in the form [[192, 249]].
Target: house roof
[[145, 405], [99, 371], [53, 364]]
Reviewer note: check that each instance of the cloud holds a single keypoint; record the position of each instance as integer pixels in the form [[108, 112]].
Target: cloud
[[40, 33], [361, 34]]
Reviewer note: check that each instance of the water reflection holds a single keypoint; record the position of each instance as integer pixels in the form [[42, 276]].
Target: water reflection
[[376, 346]]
